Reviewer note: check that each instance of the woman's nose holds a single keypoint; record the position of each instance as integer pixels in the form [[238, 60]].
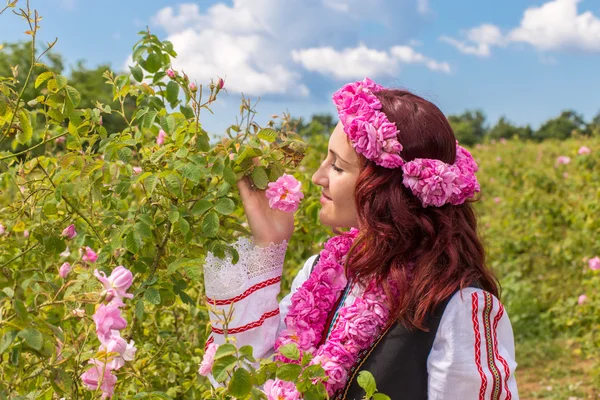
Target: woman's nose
[[319, 177]]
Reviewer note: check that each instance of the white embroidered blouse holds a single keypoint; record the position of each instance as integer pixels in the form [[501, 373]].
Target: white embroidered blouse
[[473, 349]]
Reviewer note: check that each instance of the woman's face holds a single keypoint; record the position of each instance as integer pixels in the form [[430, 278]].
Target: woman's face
[[337, 176]]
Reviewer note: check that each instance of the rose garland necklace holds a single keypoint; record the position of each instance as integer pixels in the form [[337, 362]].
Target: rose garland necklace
[[357, 325]]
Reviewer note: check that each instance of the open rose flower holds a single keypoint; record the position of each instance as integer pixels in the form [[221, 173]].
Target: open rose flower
[[107, 319], [100, 376], [285, 193], [69, 232], [116, 284], [583, 150], [581, 299], [2, 229], [562, 160], [116, 344], [208, 360], [281, 390], [89, 255]]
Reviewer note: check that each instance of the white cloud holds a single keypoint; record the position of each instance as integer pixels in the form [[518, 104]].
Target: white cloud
[[338, 5], [553, 26], [68, 4], [361, 61], [423, 6]]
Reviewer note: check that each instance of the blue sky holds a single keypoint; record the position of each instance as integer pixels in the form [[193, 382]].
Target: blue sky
[[524, 59]]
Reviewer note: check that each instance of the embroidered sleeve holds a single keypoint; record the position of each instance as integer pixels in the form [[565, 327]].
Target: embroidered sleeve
[[473, 354]]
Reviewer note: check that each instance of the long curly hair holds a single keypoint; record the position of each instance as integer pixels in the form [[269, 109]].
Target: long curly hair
[[427, 253]]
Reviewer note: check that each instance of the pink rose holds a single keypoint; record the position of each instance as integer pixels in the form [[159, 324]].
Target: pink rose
[[90, 255], [193, 87], [160, 139], [69, 232], [107, 319], [285, 193], [25, 234], [594, 263], [581, 299], [64, 270], [2, 229], [208, 359], [116, 344], [170, 73], [117, 283], [281, 390], [100, 375], [562, 160], [583, 150], [220, 84], [137, 170]]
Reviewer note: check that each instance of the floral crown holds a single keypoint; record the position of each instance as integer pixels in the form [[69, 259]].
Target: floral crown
[[432, 181]]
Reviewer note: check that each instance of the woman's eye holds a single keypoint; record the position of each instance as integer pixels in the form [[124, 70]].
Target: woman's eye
[[336, 169]]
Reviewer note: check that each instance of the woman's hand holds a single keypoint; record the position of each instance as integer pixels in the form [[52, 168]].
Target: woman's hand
[[267, 225]]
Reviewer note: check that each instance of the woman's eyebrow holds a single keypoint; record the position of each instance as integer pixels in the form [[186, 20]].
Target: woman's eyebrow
[[337, 156]]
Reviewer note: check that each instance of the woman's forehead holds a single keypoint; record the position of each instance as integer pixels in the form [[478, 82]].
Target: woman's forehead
[[340, 144]]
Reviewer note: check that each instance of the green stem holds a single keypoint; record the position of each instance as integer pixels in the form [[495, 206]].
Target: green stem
[[33, 147]]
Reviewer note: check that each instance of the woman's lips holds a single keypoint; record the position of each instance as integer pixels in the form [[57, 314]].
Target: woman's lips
[[324, 198]]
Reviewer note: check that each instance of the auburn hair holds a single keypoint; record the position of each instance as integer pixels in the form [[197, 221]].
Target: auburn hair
[[427, 253]]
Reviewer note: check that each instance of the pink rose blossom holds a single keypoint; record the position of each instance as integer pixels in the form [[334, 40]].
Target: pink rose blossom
[[498, 159], [208, 359], [78, 312], [502, 140], [497, 200], [160, 139], [594, 263], [285, 193], [107, 319], [562, 160], [220, 83], [193, 87], [25, 234], [100, 121], [581, 299], [64, 270], [281, 390], [170, 73], [100, 375], [60, 139], [2, 229], [116, 344], [583, 150], [90, 255], [116, 284], [69, 232], [137, 170]]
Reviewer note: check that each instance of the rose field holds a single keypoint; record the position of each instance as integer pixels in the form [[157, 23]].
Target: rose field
[[110, 204]]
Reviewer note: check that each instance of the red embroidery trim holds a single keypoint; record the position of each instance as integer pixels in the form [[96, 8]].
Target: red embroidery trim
[[497, 353], [209, 341], [487, 323], [247, 293], [483, 387], [251, 325]]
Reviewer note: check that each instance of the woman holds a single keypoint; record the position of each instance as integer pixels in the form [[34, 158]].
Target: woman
[[405, 294]]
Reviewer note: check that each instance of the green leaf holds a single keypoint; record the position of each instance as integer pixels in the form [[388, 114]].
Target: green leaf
[[192, 172], [61, 82], [26, 131], [366, 381], [20, 309], [193, 272], [173, 183], [201, 207], [240, 384], [150, 183], [173, 216], [289, 372], [152, 296], [270, 135], [246, 351], [210, 224], [187, 111], [229, 176], [7, 340], [139, 309], [381, 396], [224, 350], [152, 63], [222, 366], [43, 77], [149, 118], [290, 351], [184, 226], [33, 338], [138, 52], [259, 176], [225, 206], [172, 92], [137, 73], [73, 95], [143, 230], [131, 243]]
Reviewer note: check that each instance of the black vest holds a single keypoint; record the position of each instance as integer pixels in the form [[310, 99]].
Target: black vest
[[397, 360]]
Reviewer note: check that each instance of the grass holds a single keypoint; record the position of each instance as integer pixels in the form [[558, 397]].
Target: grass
[[554, 369]]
